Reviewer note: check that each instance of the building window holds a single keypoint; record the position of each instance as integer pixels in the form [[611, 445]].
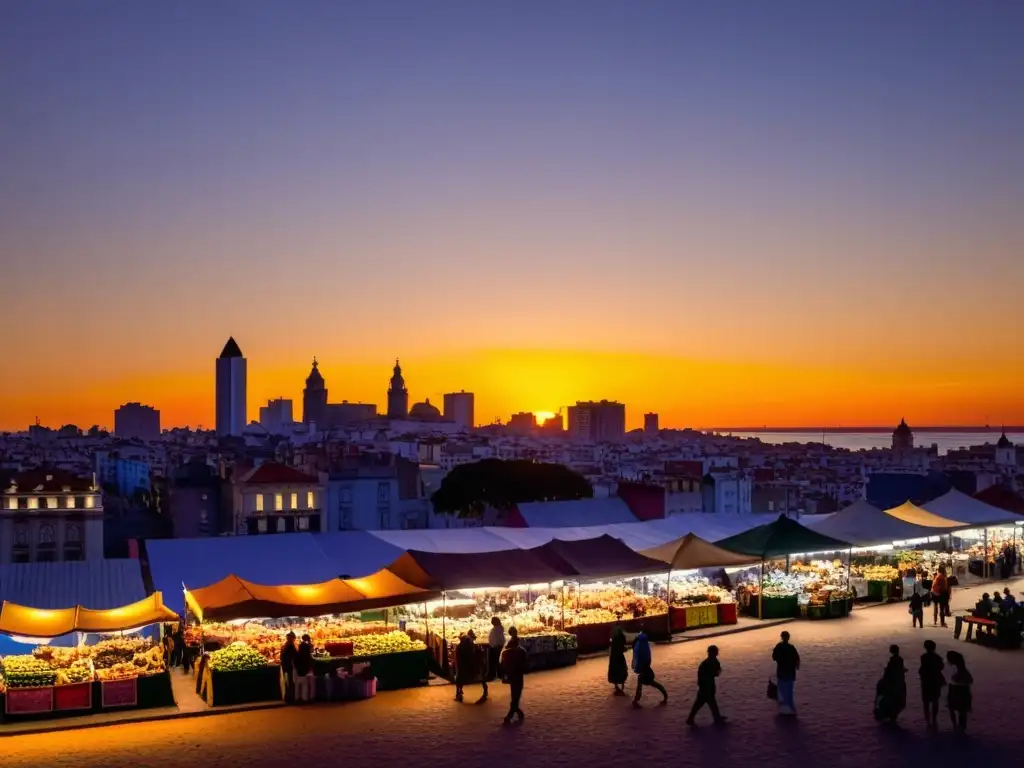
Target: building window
[[90, 502], [280, 525], [33, 502], [51, 502], [261, 525], [310, 500], [19, 552], [303, 523], [46, 551], [278, 502], [295, 501], [12, 502], [73, 542], [259, 503], [69, 502], [383, 493]]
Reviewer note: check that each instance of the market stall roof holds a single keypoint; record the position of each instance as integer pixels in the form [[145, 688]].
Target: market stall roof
[[690, 552], [780, 538], [445, 540], [864, 525], [150, 610], [909, 512], [96, 583], [42, 622], [234, 598], [471, 570], [596, 558], [956, 505]]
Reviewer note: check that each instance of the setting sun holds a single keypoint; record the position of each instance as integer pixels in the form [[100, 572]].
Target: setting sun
[[543, 416]]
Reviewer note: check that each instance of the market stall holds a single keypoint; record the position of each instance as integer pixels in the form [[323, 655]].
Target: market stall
[[110, 667], [244, 626], [693, 601], [779, 596], [558, 611]]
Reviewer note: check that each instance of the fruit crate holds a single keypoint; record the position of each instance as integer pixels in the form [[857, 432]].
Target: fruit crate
[[242, 687], [405, 669]]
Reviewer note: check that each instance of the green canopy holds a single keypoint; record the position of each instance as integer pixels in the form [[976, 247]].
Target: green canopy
[[780, 538]]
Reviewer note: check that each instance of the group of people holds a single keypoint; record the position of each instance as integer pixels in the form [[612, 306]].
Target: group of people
[[174, 647], [508, 661], [996, 605], [297, 669], [935, 592], [891, 690]]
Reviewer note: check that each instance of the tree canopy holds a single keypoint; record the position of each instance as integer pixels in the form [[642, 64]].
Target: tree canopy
[[470, 488]]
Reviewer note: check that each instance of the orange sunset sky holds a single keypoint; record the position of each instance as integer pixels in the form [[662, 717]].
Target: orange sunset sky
[[786, 217]]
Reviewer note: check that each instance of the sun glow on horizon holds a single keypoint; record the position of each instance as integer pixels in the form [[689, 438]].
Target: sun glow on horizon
[[543, 416]]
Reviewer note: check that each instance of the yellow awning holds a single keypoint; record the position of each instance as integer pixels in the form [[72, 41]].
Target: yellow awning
[[42, 622], [143, 613], [234, 598], [36, 622], [690, 552], [911, 513]]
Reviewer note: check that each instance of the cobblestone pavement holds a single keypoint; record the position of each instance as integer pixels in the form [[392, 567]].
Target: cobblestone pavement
[[571, 716]]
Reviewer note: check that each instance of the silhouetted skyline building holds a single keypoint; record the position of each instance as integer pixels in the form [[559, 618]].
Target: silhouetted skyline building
[[314, 397], [902, 438], [276, 415], [597, 422], [231, 391], [651, 424], [398, 395], [459, 407], [523, 423], [135, 421]]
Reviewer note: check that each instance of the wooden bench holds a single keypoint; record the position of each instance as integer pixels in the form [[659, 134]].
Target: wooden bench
[[971, 621]]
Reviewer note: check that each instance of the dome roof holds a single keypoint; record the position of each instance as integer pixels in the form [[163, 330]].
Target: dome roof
[[314, 377], [902, 429], [425, 411], [1004, 442]]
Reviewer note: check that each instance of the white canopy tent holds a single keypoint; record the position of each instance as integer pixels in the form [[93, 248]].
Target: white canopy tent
[[867, 526], [955, 505]]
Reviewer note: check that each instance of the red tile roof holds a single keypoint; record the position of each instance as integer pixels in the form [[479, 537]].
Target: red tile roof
[[273, 473], [49, 481]]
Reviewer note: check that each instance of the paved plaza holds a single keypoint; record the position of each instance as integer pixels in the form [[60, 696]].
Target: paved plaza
[[573, 720]]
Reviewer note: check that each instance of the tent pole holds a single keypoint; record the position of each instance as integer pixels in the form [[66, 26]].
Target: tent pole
[[444, 616], [760, 594], [849, 568], [984, 559], [668, 602], [562, 606]]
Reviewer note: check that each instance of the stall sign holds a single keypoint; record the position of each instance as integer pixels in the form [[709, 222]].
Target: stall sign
[[701, 616], [29, 701], [74, 696], [120, 693]]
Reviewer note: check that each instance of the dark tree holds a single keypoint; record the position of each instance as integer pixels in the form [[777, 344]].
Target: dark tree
[[470, 488]]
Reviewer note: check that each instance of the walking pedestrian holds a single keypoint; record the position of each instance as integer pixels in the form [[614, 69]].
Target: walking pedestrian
[[618, 670], [891, 691], [787, 662], [304, 671], [466, 667], [940, 594], [495, 644], [959, 695], [643, 669], [707, 673], [916, 610], [288, 654], [514, 663], [932, 681]]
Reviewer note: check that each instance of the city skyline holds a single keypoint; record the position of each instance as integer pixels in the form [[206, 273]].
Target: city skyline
[[788, 217]]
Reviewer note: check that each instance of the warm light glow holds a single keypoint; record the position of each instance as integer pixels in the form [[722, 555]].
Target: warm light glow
[[90, 502], [51, 502], [543, 416], [278, 502], [69, 502], [294, 501], [259, 502], [310, 504], [33, 502]]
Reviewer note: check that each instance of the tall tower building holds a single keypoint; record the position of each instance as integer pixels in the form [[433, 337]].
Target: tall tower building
[[597, 422], [902, 438], [231, 413], [458, 407], [314, 398], [651, 424], [398, 395]]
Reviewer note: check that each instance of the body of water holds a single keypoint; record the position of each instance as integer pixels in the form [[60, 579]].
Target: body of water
[[856, 441]]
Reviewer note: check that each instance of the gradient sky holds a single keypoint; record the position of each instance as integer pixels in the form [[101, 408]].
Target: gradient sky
[[731, 213]]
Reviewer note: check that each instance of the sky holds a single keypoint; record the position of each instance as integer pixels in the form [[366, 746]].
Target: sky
[[730, 213]]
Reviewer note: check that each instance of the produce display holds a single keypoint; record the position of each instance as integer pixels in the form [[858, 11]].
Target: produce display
[[392, 642], [27, 672], [698, 591], [237, 657], [875, 572], [113, 659]]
